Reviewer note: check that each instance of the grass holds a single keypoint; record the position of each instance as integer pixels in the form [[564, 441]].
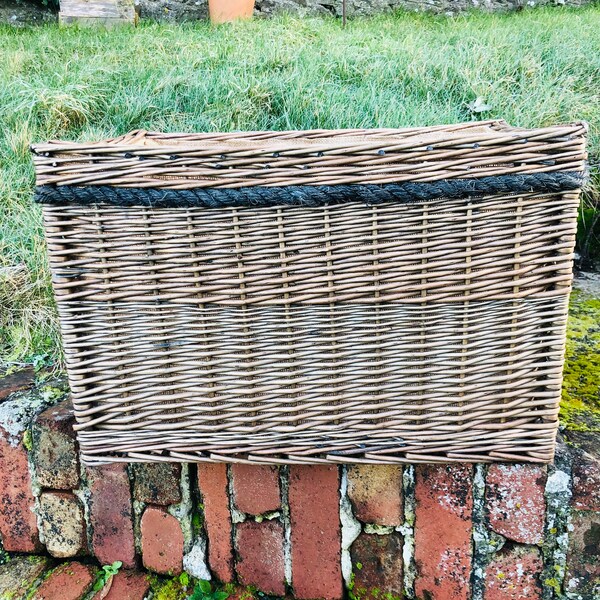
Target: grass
[[537, 67]]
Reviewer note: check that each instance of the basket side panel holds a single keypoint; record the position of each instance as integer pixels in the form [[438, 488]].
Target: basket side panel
[[426, 332]]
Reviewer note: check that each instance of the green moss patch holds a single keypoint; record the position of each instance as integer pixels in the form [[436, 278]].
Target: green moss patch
[[580, 404]]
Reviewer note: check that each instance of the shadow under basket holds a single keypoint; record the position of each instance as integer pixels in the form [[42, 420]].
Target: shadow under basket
[[374, 296]]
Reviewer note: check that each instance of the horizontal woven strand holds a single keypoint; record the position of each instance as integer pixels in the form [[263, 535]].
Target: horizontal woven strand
[[517, 246]]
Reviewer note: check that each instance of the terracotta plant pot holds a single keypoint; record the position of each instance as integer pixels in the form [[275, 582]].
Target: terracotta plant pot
[[224, 11]]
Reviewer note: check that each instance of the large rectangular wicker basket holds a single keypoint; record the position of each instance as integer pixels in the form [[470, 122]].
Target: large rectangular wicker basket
[[374, 296]]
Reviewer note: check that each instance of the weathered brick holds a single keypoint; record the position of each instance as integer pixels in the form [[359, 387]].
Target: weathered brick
[[125, 585], [21, 575], [157, 483], [18, 524], [260, 556], [162, 541], [255, 488], [54, 451], [63, 524], [444, 504], [16, 382], [111, 514], [377, 566], [586, 482], [315, 532], [212, 481], [70, 581], [376, 493], [515, 501], [583, 559], [514, 574]]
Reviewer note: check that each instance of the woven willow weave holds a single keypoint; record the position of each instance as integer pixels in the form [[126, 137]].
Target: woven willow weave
[[314, 297]]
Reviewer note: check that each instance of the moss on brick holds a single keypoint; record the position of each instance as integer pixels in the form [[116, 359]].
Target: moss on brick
[[170, 589], [358, 592], [27, 440], [580, 403]]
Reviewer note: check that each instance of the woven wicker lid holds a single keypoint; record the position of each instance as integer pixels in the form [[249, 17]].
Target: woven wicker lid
[[317, 157]]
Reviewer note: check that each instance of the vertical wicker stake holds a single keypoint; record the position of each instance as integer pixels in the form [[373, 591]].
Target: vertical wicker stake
[[343, 13]]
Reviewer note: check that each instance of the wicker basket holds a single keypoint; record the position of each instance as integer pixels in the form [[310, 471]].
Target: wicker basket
[[376, 296]]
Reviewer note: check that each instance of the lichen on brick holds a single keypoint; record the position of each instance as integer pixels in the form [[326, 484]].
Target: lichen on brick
[[483, 546], [138, 509], [350, 526], [284, 483], [18, 411], [407, 529], [555, 543], [184, 509], [195, 560], [515, 501]]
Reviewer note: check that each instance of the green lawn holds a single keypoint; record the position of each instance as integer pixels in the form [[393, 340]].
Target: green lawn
[[536, 67]]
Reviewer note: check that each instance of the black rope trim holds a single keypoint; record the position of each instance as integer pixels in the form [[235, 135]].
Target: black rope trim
[[310, 196]]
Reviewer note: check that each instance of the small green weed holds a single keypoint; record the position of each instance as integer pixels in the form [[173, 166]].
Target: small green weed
[[106, 574], [203, 590]]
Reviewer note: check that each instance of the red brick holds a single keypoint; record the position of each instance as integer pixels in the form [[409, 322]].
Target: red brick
[[514, 575], [583, 558], [444, 504], [162, 541], [315, 532], [126, 585], [260, 556], [256, 488], [16, 382], [376, 493], [377, 566], [586, 482], [63, 524], [55, 453], [68, 582], [212, 480], [111, 514], [18, 525], [515, 502], [157, 483]]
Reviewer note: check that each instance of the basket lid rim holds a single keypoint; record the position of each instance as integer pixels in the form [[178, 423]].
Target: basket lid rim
[[141, 139], [145, 159]]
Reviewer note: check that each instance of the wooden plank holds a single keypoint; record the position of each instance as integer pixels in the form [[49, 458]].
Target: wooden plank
[[97, 12]]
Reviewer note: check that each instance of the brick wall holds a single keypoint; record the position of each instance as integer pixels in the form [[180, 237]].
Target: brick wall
[[429, 532]]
